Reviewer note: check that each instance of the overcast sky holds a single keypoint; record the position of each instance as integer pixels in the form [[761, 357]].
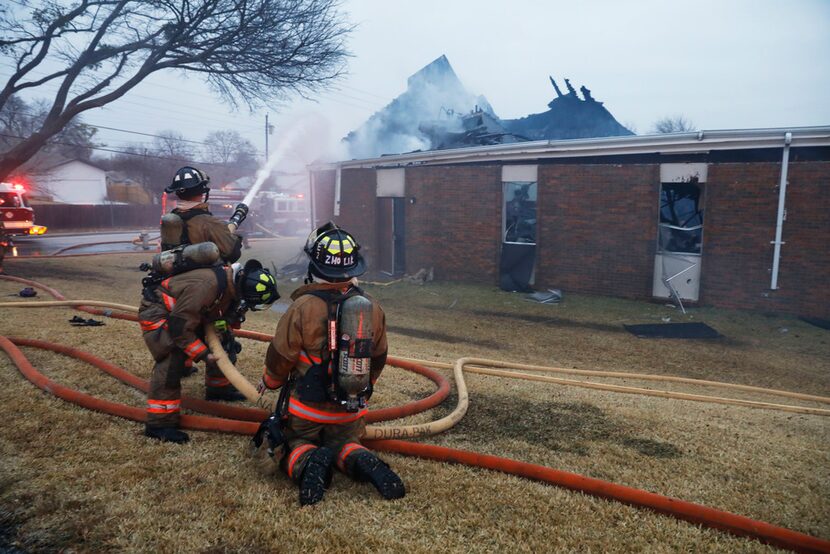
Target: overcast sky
[[720, 63]]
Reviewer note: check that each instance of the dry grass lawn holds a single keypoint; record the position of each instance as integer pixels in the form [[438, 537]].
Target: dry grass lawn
[[74, 480]]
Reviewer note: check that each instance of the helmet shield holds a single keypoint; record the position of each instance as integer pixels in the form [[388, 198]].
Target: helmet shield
[[189, 181], [334, 254], [256, 286]]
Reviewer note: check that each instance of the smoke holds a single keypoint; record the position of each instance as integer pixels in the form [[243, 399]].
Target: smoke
[[300, 141], [434, 98]]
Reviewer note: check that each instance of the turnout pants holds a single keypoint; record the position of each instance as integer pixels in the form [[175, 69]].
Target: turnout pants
[[305, 436], [164, 396]]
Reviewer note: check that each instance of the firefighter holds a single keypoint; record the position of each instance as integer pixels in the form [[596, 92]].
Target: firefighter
[[195, 223], [172, 316], [323, 428]]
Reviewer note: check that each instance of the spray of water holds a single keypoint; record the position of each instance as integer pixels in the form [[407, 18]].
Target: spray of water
[[282, 146]]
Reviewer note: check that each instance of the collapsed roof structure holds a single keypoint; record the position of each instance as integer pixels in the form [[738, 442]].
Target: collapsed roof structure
[[437, 112], [569, 117]]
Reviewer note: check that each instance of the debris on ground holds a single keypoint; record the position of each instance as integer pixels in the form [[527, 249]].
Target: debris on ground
[[28, 292], [818, 322], [77, 321], [673, 331], [422, 276], [550, 296]]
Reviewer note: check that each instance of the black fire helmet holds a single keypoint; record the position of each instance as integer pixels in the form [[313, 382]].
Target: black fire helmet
[[334, 254], [189, 181], [256, 286]]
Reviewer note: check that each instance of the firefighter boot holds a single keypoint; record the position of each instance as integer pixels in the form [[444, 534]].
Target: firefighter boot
[[316, 476], [368, 467], [228, 394], [166, 434]]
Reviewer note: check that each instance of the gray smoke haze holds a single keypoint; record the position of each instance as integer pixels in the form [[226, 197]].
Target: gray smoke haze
[[433, 94]]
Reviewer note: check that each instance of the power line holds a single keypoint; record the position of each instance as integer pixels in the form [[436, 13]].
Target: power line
[[159, 103], [115, 151], [30, 113], [130, 100]]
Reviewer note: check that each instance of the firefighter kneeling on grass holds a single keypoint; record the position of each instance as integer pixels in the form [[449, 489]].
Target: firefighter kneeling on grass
[[173, 315], [327, 353]]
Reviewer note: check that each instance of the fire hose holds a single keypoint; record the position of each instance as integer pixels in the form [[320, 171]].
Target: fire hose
[[695, 513], [411, 431]]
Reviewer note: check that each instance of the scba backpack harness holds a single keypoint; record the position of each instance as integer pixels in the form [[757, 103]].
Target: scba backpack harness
[[343, 375]]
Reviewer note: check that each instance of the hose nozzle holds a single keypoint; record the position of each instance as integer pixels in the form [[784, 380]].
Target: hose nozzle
[[239, 215]]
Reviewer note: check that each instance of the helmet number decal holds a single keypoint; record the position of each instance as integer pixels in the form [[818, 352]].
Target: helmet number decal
[[338, 260]]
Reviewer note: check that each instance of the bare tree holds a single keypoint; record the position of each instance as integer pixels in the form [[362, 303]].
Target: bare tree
[[19, 119], [173, 145], [232, 154], [95, 51], [673, 124], [229, 147]]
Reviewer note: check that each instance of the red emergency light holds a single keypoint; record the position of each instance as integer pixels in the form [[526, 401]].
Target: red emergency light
[[299, 195], [18, 186]]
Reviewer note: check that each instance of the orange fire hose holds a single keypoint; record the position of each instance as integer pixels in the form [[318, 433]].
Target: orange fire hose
[[200, 423], [75, 246], [680, 509], [688, 511], [250, 414], [717, 519]]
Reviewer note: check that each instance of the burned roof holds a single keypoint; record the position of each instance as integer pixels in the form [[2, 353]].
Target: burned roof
[[437, 112]]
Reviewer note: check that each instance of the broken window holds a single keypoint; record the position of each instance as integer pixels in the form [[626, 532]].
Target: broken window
[[681, 218], [520, 212]]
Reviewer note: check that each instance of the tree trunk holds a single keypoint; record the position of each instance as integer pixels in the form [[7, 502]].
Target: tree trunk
[[20, 154]]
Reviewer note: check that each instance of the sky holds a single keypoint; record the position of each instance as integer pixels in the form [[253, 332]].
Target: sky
[[722, 64]]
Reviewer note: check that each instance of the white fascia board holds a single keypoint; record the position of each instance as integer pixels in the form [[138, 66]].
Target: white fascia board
[[681, 143]]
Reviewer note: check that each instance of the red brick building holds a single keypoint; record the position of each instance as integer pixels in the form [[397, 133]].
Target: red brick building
[[737, 219]]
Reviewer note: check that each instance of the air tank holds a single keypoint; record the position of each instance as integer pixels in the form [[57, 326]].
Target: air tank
[[192, 256], [171, 231], [354, 351]]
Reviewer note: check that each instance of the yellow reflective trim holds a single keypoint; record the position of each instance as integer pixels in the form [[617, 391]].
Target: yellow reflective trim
[[260, 287], [334, 247]]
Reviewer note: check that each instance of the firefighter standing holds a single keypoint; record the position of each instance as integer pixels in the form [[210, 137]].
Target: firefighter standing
[[172, 316], [320, 432], [191, 223], [196, 222]]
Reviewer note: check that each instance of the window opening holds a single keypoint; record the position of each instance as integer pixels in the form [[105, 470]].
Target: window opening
[[519, 212], [681, 218]]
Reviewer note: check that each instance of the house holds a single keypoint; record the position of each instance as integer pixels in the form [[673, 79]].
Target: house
[[73, 182], [735, 218]]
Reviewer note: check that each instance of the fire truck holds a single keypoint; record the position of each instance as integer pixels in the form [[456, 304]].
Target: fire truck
[[17, 216], [271, 212]]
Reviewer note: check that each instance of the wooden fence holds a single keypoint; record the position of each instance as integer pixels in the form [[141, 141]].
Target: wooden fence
[[59, 217]]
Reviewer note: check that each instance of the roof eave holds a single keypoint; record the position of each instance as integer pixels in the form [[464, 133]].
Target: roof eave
[[677, 143]]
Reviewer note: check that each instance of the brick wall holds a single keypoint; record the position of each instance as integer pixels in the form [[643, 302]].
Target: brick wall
[[597, 228], [739, 223], [454, 225]]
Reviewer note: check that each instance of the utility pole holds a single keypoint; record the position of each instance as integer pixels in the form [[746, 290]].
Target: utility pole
[[269, 130]]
